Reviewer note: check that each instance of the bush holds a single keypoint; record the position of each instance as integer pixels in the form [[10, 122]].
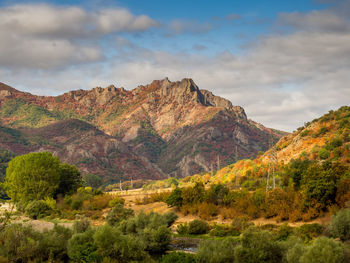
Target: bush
[[170, 218], [117, 214], [178, 257], [182, 229], [207, 210], [115, 201], [340, 226], [81, 225], [98, 202], [323, 154], [336, 142], [257, 246], [175, 198], [151, 228], [323, 250], [304, 133], [81, 247], [111, 243], [308, 232], [216, 251], [20, 243], [198, 227], [37, 209], [223, 230], [54, 243]]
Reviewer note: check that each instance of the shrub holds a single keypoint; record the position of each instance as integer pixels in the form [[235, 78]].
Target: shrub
[[116, 200], [54, 243], [284, 232], [76, 204], [81, 247], [336, 142], [178, 257], [170, 218], [257, 246], [151, 228], [20, 243], [117, 214], [182, 229], [240, 223], [81, 225], [111, 243], [207, 210], [223, 230], [323, 250], [308, 232], [216, 251], [175, 198], [323, 154], [340, 226], [343, 192], [198, 227], [37, 209], [99, 202], [304, 133]]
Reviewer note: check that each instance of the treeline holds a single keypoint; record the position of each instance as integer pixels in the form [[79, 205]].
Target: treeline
[[306, 189]]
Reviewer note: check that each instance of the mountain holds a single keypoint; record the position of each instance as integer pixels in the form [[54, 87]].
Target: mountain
[[80, 143], [324, 139], [164, 128]]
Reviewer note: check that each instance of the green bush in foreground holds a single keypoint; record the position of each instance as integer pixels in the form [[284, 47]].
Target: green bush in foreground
[[258, 246], [323, 250], [37, 209], [216, 251], [340, 226], [81, 247]]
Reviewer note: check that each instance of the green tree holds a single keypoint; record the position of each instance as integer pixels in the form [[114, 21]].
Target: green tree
[[92, 180], [319, 185], [175, 198], [33, 176], [70, 179]]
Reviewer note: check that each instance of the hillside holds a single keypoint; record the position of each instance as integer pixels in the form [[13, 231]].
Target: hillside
[[177, 127], [79, 143], [324, 139]]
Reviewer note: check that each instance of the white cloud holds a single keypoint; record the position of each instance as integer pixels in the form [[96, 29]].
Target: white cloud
[[45, 36]]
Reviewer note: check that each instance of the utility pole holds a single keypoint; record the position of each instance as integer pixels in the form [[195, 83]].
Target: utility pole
[[120, 185], [218, 162], [131, 184], [272, 166]]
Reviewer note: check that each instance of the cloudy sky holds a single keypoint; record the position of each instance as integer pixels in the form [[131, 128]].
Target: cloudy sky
[[285, 62]]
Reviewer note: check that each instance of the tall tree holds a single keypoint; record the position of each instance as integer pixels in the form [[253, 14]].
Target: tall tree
[[33, 176]]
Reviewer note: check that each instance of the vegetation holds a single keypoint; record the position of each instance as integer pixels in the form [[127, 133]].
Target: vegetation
[[36, 176]]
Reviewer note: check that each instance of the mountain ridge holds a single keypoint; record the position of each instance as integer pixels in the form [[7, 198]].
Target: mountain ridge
[[177, 127]]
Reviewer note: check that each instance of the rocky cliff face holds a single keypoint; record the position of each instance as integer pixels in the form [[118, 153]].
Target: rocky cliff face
[[172, 128]]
